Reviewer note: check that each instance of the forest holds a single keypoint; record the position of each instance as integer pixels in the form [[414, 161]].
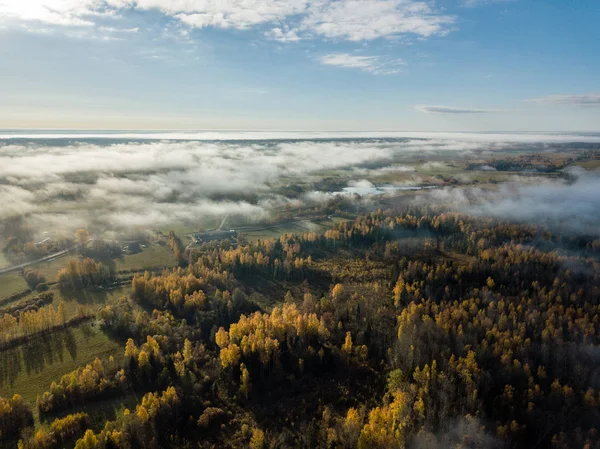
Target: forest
[[312, 224], [414, 328]]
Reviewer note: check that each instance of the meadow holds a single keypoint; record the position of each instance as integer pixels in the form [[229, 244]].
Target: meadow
[[30, 368]]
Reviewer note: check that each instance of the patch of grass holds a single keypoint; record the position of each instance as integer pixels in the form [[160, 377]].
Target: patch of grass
[[30, 368], [589, 165], [50, 269], [153, 256], [183, 229], [489, 176], [396, 177], [88, 298], [11, 283], [462, 259], [301, 227], [102, 411], [295, 228], [437, 167]]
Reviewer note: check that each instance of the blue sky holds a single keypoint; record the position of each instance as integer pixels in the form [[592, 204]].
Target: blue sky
[[469, 65]]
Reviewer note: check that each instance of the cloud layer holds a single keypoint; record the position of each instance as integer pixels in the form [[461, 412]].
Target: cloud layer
[[474, 3], [232, 136], [450, 110], [286, 20], [572, 207], [372, 64], [156, 183], [61, 184], [586, 99]]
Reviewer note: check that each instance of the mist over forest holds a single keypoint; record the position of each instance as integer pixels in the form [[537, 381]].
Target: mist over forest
[[118, 184]]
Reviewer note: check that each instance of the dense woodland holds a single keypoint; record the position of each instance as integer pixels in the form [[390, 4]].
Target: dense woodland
[[419, 329]]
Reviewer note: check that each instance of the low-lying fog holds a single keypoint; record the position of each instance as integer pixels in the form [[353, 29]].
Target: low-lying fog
[[69, 181]]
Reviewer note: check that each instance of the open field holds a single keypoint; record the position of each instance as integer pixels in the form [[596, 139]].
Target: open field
[[30, 368], [297, 227], [88, 298], [182, 229], [152, 256], [589, 165], [11, 283], [73, 299], [50, 269], [106, 410]]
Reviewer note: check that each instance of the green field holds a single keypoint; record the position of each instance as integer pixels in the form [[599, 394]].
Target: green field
[[152, 256], [589, 165], [95, 299], [11, 283], [50, 269], [30, 368], [297, 228]]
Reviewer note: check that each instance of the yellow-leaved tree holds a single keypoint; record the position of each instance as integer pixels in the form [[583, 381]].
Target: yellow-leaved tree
[[386, 427]]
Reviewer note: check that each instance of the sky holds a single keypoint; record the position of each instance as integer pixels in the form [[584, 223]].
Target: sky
[[319, 65]]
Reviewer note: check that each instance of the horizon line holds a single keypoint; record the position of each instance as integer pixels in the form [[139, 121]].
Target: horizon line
[[294, 130]]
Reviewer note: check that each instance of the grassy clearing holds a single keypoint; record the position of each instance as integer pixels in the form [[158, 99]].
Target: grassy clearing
[[50, 269], [396, 178], [182, 229], [75, 299], [490, 176], [152, 256], [589, 165], [88, 298], [102, 411], [11, 283], [296, 228], [30, 368]]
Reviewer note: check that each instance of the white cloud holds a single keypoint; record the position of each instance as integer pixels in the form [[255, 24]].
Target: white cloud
[[433, 165], [290, 20], [585, 99], [363, 184], [473, 3], [55, 12], [240, 14], [372, 64], [358, 20], [119, 30], [450, 110], [283, 35]]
